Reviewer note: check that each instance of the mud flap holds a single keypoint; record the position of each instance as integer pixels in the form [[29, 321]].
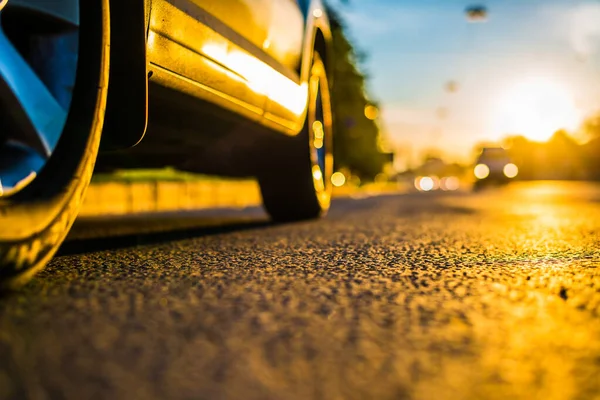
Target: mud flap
[[127, 107]]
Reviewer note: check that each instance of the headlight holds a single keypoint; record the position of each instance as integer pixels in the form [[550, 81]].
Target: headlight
[[511, 170], [481, 171]]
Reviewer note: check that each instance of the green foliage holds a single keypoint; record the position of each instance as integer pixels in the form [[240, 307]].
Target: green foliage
[[356, 140]]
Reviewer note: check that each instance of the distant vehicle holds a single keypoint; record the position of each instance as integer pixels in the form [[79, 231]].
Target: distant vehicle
[[494, 166], [225, 87]]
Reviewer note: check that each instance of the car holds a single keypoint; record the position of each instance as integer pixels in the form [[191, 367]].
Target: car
[[494, 166], [228, 87]]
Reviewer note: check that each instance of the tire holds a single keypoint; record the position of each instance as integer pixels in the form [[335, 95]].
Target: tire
[[296, 184], [36, 219]]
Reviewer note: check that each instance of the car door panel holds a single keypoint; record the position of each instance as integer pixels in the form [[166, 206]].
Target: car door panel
[[249, 18], [285, 33], [285, 44], [183, 42], [199, 54]]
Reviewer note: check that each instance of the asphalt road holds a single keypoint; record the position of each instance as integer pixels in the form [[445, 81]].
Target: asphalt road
[[426, 296]]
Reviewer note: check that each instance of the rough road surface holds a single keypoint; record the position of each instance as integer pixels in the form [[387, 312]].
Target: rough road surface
[[425, 296]]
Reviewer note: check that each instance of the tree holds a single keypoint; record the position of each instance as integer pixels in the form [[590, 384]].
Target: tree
[[356, 140], [558, 158], [591, 127], [591, 150]]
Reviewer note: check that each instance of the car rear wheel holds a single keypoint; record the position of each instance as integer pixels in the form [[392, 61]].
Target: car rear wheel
[[54, 62], [297, 185]]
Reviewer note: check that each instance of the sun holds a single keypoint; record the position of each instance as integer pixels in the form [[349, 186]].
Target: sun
[[536, 109]]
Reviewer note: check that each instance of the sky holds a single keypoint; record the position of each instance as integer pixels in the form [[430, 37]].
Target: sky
[[531, 68]]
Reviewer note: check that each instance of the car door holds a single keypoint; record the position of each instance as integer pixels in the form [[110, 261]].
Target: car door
[[287, 97], [240, 54], [249, 18], [209, 49], [285, 33]]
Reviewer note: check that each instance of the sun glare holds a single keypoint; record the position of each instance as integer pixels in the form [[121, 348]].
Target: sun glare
[[536, 109]]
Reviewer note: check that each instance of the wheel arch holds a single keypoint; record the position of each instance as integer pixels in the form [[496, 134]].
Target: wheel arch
[[317, 38], [323, 47], [127, 105]]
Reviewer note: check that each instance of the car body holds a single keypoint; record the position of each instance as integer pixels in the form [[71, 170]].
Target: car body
[[494, 165], [227, 87]]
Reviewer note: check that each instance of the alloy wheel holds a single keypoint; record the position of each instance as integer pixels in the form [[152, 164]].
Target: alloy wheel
[[38, 65]]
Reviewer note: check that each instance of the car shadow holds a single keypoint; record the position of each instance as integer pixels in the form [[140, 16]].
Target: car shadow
[[111, 233], [117, 232]]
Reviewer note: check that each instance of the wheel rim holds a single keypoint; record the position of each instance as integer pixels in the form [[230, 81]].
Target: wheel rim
[[320, 142], [320, 124], [38, 64]]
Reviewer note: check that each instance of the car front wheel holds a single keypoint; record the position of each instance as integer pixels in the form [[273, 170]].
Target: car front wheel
[[54, 63]]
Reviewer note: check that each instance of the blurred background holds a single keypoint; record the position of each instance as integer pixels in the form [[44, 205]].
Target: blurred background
[[423, 86]]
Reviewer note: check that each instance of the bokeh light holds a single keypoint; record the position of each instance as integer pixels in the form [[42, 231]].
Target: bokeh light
[[450, 183], [511, 170], [317, 174], [371, 112], [418, 182], [318, 129], [318, 133], [338, 179], [482, 171], [426, 184]]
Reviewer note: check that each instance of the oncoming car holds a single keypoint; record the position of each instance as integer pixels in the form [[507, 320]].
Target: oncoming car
[[228, 87], [494, 166]]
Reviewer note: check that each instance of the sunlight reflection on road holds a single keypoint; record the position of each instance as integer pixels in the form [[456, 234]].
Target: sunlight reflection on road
[[539, 216]]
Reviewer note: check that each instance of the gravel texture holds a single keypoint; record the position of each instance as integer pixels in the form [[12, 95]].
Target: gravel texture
[[424, 296]]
